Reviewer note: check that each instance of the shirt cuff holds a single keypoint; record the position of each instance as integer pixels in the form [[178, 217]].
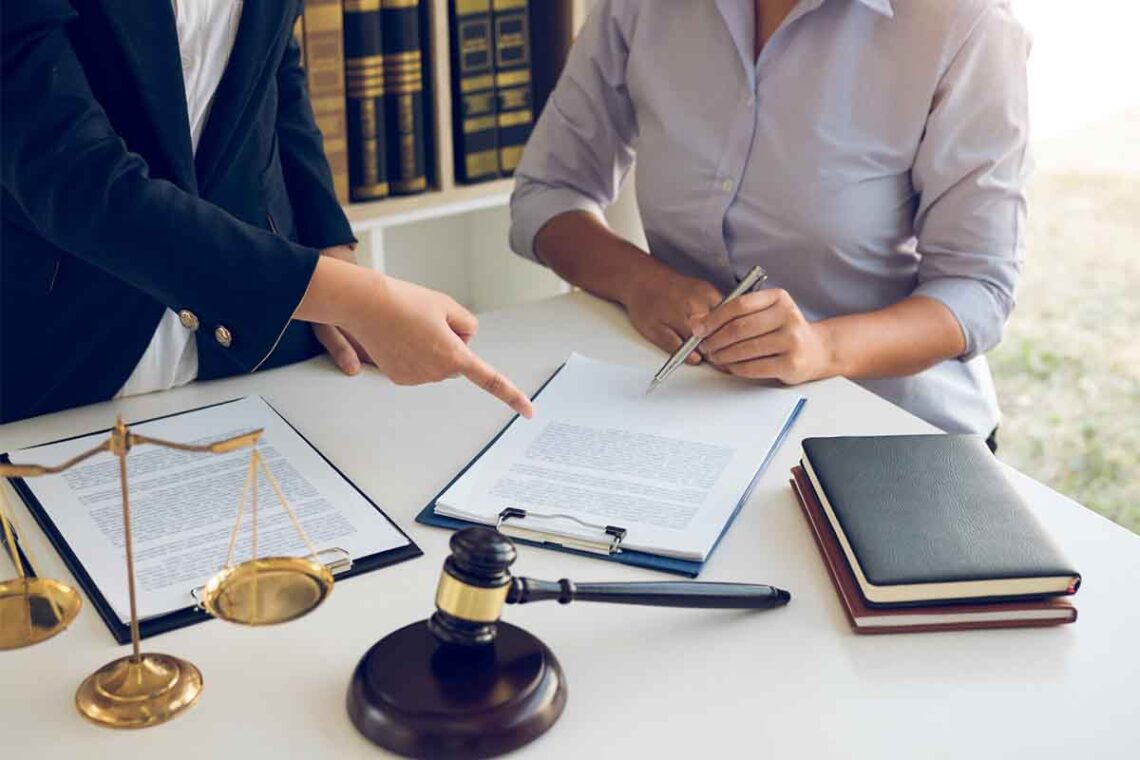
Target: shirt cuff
[[981, 313], [530, 211]]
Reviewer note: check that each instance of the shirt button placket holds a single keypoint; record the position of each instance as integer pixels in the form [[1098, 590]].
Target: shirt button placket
[[737, 154]]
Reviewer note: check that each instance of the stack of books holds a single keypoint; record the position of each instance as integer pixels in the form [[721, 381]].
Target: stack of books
[[388, 128], [925, 533], [368, 69], [491, 85]]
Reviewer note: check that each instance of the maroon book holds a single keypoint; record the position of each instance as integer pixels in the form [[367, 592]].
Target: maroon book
[[941, 617]]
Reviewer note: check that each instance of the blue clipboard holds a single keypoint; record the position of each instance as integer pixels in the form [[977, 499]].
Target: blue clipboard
[[689, 568]]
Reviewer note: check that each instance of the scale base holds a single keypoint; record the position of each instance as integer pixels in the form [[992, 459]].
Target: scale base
[[128, 694], [419, 698], [35, 609]]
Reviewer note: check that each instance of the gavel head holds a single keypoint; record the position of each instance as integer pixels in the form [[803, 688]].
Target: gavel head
[[473, 587]]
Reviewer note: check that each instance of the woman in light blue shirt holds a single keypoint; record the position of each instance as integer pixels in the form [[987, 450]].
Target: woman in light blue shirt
[[869, 154]]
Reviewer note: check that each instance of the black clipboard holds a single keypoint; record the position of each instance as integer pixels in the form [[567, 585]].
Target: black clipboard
[[191, 614]]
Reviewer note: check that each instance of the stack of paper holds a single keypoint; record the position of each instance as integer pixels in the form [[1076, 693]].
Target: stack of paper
[[672, 468]]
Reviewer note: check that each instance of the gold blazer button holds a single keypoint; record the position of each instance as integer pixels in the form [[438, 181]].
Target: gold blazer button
[[223, 336], [188, 319]]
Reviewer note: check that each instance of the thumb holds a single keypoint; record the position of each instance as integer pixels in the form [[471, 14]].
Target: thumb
[[338, 347], [462, 322]]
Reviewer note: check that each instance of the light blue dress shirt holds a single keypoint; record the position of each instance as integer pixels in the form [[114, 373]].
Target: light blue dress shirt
[[875, 150]]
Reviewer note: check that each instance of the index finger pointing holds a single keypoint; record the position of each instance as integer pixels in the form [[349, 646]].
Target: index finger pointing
[[491, 380]]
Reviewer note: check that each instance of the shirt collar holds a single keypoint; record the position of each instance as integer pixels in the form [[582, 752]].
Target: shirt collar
[[882, 7], [740, 17]]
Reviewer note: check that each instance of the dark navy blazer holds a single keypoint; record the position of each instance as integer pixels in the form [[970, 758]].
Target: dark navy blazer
[[108, 217]]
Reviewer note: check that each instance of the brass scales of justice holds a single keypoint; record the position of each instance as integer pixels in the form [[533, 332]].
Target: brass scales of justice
[[145, 689]]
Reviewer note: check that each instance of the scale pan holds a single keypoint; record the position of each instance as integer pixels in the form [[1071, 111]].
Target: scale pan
[[35, 609], [267, 590]]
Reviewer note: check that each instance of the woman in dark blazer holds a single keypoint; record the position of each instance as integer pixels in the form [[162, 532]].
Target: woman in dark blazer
[[110, 217]]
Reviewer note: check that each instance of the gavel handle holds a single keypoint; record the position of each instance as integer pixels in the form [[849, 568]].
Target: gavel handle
[[737, 596]]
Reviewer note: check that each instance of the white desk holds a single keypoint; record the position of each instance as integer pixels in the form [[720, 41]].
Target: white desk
[[643, 682]]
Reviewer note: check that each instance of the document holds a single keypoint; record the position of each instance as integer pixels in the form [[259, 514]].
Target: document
[[671, 467], [184, 505]]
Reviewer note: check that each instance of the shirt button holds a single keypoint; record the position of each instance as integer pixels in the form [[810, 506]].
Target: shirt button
[[223, 336], [188, 319], [726, 186], [187, 61]]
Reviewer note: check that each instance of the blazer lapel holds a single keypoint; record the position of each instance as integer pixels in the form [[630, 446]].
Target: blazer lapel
[[261, 27], [149, 40]]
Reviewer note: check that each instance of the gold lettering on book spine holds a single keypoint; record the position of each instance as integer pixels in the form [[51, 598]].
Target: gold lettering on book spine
[[482, 162], [512, 78], [515, 118], [469, 7], [509, 158]]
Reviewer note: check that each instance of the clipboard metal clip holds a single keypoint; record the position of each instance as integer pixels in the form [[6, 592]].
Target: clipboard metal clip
[[607, 542], [336, 559]]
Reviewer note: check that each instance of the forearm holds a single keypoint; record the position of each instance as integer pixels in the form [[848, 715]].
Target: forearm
[[585, 252], [339, 292], [907, 337]]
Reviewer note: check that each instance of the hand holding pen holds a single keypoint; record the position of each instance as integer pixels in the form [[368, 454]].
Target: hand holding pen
[[755, 277], [765, 336]]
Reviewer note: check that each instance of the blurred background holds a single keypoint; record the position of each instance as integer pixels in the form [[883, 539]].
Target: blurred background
[[1068, 370]]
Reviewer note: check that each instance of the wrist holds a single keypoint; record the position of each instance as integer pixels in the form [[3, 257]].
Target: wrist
[[368, 293], [834, 363], [643, 276], [345, 252], [340, 293]]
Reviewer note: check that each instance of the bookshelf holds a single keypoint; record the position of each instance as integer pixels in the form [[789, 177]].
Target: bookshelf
[[453, 237], [435, 203], [445, 196]]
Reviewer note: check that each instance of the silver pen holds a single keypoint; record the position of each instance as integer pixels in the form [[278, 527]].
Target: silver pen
[[754, 278]]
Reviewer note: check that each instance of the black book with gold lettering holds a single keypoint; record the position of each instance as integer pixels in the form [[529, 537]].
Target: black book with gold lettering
[[427, 15], [404, 96], [473, 100], [513, 81], [364, 85]]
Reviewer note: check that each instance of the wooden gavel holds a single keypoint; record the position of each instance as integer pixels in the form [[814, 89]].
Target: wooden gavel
[[476, 583], [462, 684]]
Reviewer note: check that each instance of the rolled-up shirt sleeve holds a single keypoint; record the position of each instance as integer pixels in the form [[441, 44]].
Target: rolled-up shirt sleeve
[[582, 146], [970, 173]]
